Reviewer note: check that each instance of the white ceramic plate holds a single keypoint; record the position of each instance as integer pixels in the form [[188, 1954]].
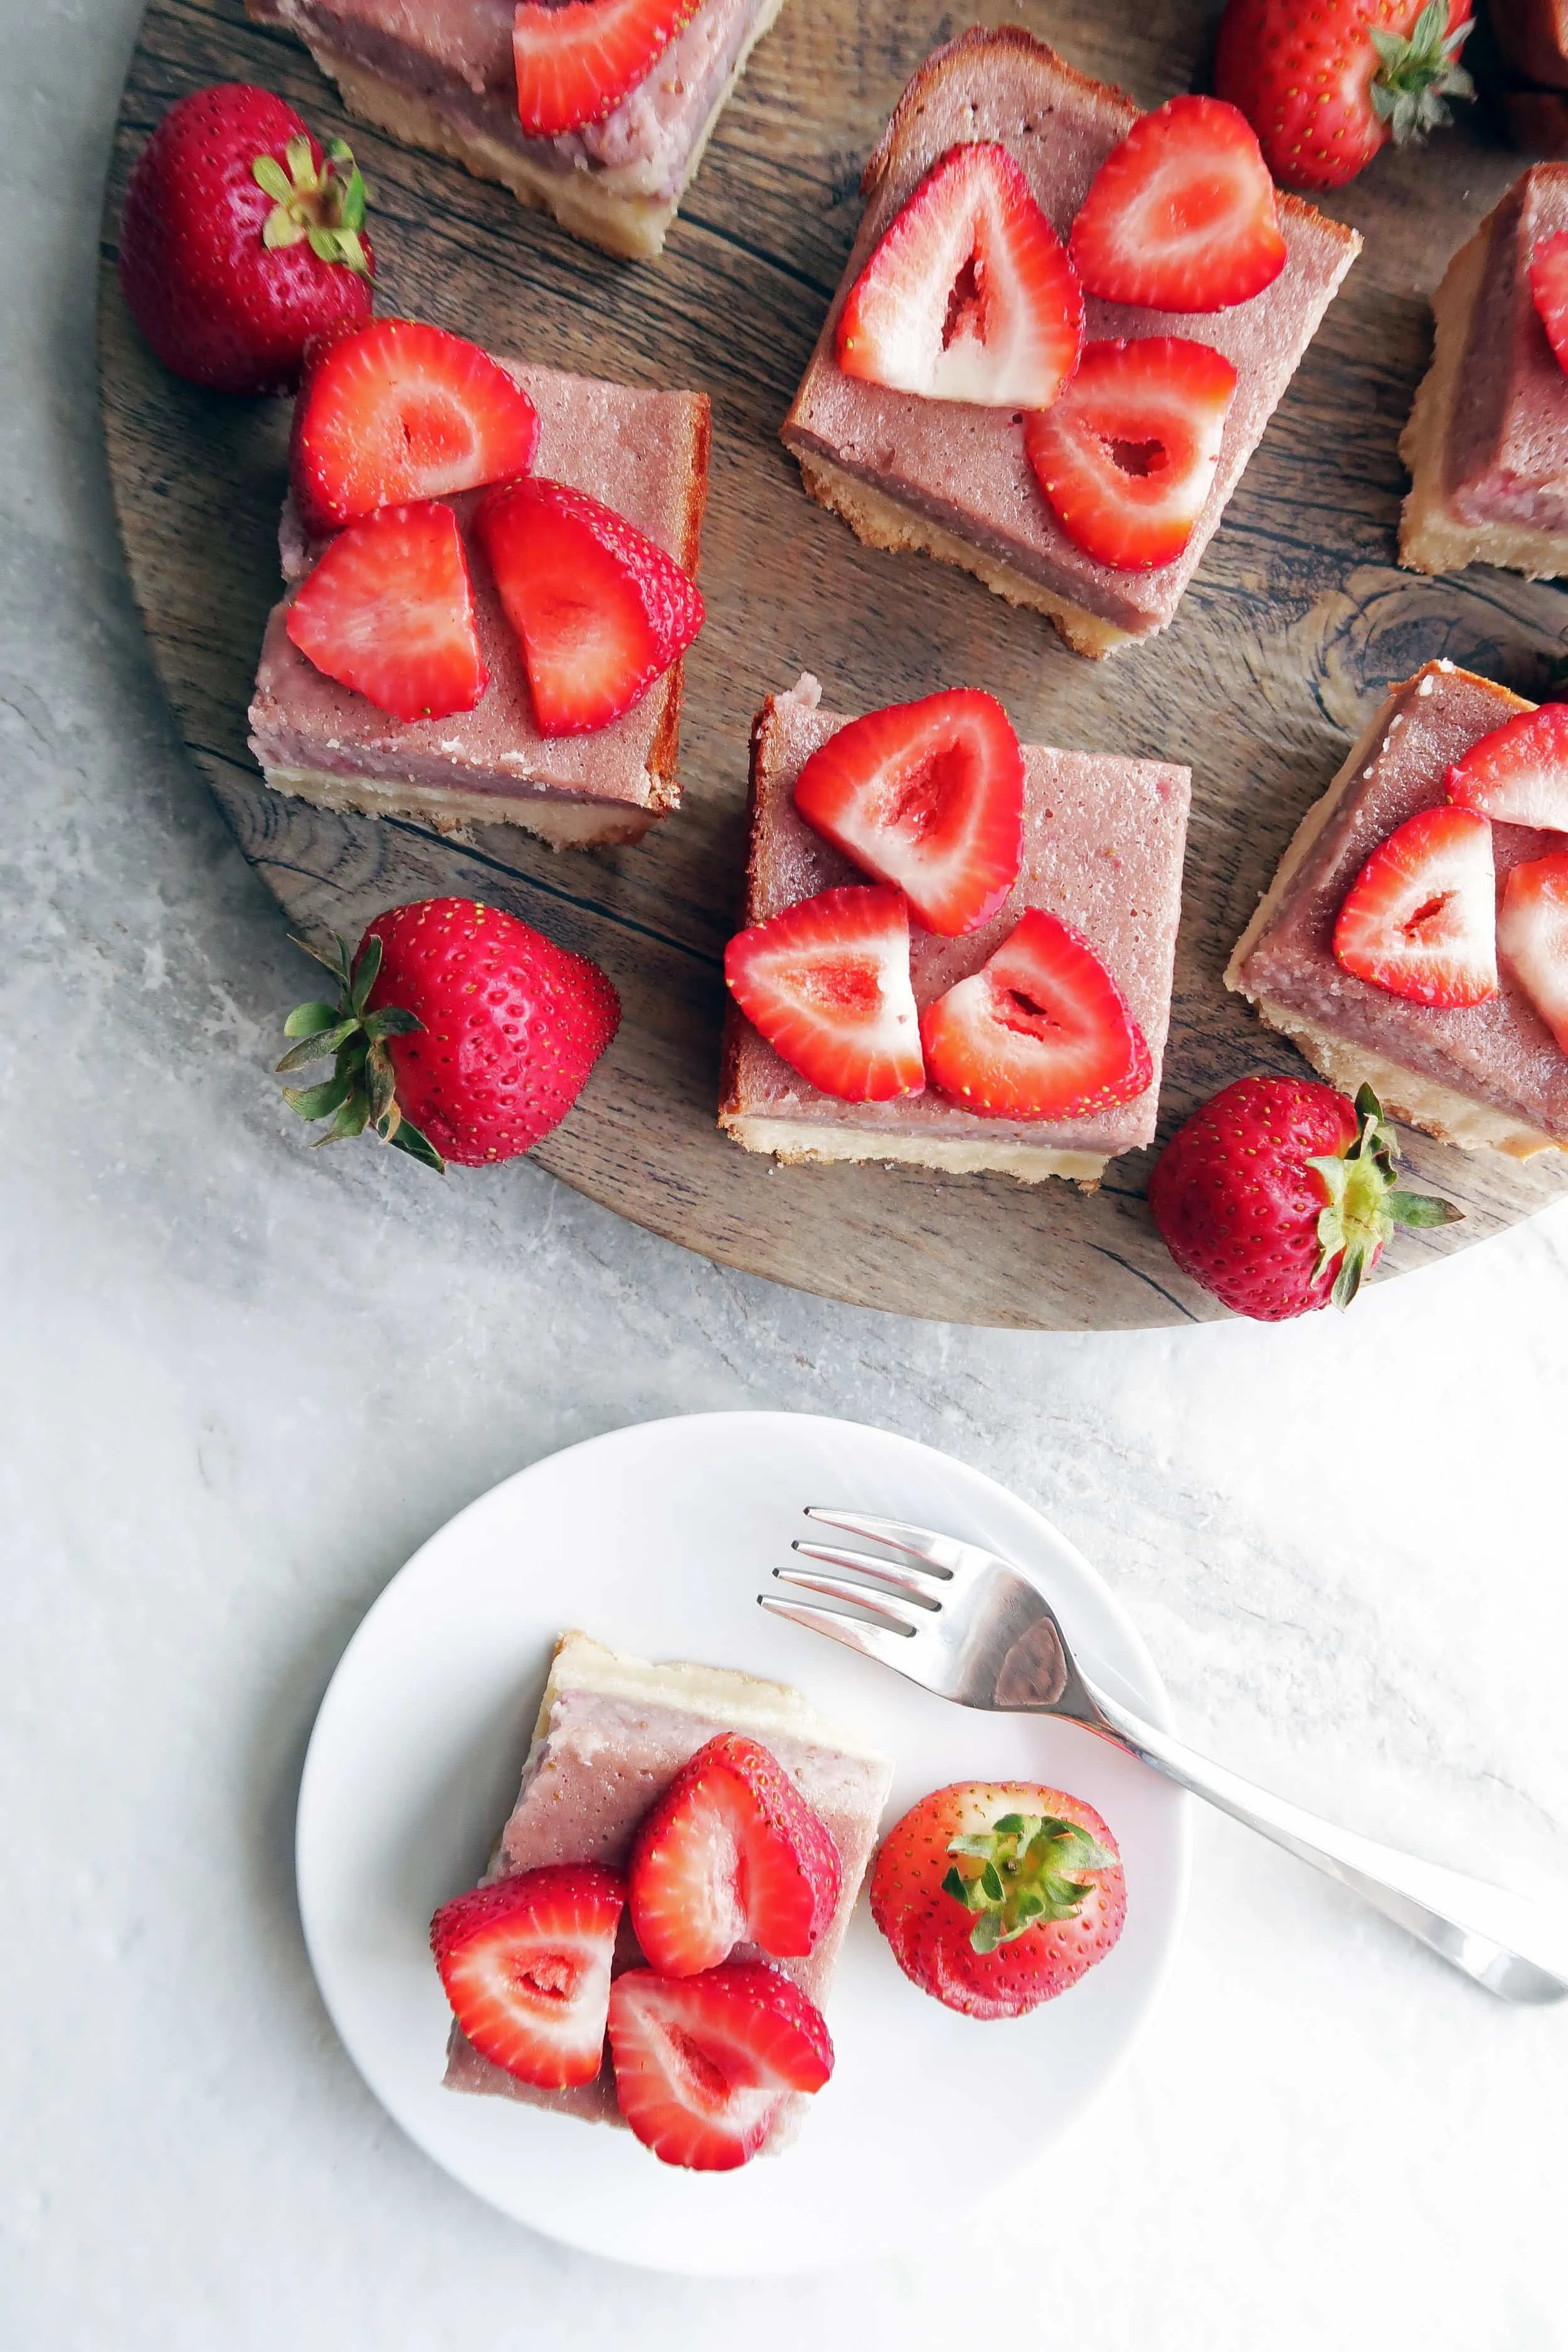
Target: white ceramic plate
[[658, 1539]]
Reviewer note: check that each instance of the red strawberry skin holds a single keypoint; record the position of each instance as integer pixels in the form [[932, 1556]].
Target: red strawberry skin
[[827, 983], [1125, 460], [1303, 78], [1041, 1031], [218, 306], [731, 1854], [1181, 215], [526, 1966], [389, 611], [1532, 937], [929, 1929], [1519, 773], [703, 2063], [513, 1025], [929, 797], [599, 610], [1549, 290], [576, 61], [400, 412], [1420, 919], [969, 296]]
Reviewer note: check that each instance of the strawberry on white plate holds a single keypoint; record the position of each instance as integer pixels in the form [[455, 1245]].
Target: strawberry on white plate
[[1532, 937], [731, 1853], [969, 295], [827, 983], [702, 2063], [1126, 457], [396, 411], [389, 611], [526, 1965], [1041, 1031], [599, 611], [928, 796], [1420, 919], [1182, 215], [575, 60], [1519, 773]]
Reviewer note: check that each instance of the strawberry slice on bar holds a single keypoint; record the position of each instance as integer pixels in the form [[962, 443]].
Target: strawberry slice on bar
[[397, 411], [828, 984], [1126, 457], [731, 1854], [928, 796], [1549, 290], [1042, 1031], [1420, 919], [599, 611], [526, 1965], [577, 60], [702, 2063], [389, 611], [1183, 215], [1532, 937], [970, 295], [1519, 773]]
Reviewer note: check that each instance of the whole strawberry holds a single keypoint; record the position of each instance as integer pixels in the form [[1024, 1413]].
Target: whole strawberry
[[1278, 1195], [1325, 86], [240, 241], [459, 1034]]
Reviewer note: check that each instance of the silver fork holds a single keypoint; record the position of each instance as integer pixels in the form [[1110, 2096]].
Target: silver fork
[[964, 1624]]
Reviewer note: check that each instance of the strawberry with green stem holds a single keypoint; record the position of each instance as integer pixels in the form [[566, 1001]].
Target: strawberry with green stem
[[362, 1089]]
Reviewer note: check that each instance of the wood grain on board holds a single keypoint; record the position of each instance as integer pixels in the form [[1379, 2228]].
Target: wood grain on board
[[1295, 624]]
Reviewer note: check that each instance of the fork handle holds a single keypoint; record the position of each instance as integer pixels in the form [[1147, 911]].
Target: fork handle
[[1509, 1945]]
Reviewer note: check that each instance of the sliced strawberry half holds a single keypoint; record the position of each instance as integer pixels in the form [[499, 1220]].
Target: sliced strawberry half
[[731, 1854], [599, 610], [389, 611], [576, 61], [399, 411], [1040, 1031], [1519, 773], [702, 2063], [1532, 937], [1126, 458], [970, 294], [1420, 919], [1549, 290], [928, 796], [526, 1963], [827, 983], [1182, 215]]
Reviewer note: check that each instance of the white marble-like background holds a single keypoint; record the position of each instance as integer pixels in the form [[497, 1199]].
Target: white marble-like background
[[242, 1381]]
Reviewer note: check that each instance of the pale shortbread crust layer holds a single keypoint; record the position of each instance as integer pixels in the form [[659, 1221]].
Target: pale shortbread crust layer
[[800, 1142], [564, 824], [604, 208], [1408, 1095], [1432, 538], [742, 1702], [885, 522]]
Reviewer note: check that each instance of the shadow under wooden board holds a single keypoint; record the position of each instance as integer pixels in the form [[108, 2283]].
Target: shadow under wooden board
[[1294, 625]]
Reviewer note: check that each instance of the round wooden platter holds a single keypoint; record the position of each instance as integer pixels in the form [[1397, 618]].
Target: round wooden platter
[[1296, 622]]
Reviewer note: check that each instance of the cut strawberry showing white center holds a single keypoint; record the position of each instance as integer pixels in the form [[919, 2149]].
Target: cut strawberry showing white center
[[827, 983], [1126, 458], [1420, 919], [599, 611], [702, 2063], [1182, 215], [389, 611], [731, 1853], [1549, 290], [1040, 1031], [526, 1965], [1532, 937], [928, 796], [970, 295], [398, 411], [1519, 773], [577, 59]]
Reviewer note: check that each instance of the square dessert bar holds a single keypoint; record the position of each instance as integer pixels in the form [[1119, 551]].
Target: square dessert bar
[[1482, 1076], [1103, 839], [1487, 443], [643, 453], [611, 1736], [951, 479], [439, 74]]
